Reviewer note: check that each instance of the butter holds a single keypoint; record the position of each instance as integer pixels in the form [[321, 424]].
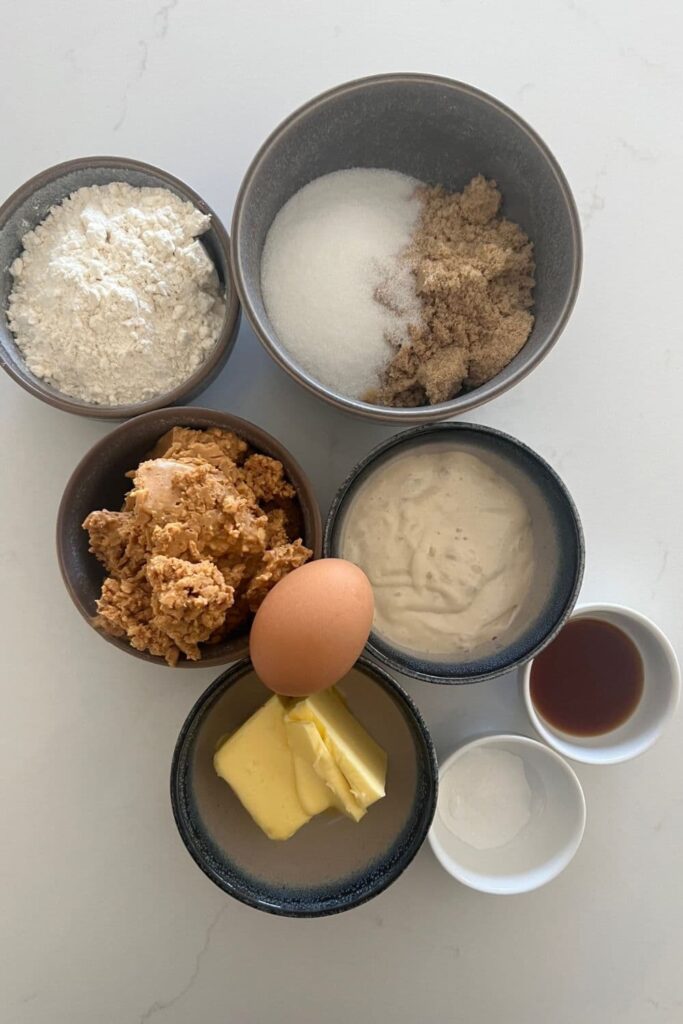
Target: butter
[[319, 780], [360, 760], [290, 762], [314, 795], [257, 763]]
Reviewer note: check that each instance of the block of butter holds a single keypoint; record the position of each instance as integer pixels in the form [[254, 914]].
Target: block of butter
[[361, 761], [257, 763], [314, 794], [315, 767], [291, 761]]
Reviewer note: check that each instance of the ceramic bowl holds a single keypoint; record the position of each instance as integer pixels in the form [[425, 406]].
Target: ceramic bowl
[[29, 205], [441, 132], [662, 684], [544, 846], [99, 482], [332, 863], [558, 549]]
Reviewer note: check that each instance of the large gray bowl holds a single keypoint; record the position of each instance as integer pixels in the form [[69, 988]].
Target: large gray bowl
[[439, 131], [30, 204]]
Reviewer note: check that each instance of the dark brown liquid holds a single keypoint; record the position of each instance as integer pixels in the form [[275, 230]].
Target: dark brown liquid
[[589, 680]]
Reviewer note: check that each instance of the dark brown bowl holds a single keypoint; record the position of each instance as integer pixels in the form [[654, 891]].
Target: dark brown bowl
[[29, 205], [99, 481]]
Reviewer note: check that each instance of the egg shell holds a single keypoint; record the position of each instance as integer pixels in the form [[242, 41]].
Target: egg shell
[[311, 627]]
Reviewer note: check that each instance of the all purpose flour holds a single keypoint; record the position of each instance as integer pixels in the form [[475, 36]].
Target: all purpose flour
[[114, 299]]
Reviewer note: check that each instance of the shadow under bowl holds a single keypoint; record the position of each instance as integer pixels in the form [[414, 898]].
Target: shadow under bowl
[[99, 482], [30, 204], [332, 863], [443, 133], [558, 549]]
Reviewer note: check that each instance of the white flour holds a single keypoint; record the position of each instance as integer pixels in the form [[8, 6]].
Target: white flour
[[114, 299]]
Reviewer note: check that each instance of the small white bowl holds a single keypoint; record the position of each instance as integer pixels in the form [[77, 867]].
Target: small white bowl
[[661, 690], [544, 846]]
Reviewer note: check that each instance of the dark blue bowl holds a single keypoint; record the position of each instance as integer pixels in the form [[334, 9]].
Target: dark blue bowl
[[558, 540], [331, 864]]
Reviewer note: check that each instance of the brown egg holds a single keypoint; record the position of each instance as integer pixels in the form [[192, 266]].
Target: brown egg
[[312, 627]]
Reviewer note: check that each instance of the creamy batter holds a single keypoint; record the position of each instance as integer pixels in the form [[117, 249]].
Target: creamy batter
[[447, 544]]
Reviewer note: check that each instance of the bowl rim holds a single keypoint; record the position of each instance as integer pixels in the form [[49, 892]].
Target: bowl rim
[[573, 747], [226, 420], [461, 403], [393, 659], [328, 907], [451, 866], [214, 362]]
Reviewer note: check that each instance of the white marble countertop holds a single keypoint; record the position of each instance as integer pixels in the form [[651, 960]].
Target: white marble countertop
[[105, 919]]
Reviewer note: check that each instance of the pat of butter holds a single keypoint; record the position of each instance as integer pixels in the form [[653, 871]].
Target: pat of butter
[[314, 795], [258, 765], [361, 761], [319, 780]]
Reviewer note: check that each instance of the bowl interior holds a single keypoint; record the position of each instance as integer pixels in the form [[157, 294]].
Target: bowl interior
[[656, 705], [332, 863], [440, 132], [558, 548], [99, 482], [544, 846], [32, 204]]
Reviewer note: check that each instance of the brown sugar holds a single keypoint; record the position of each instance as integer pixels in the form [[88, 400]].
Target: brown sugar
[[474, 272], [205, 532]]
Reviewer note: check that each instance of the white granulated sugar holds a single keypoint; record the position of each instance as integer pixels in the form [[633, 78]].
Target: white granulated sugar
[[114, 299], [334, 285]]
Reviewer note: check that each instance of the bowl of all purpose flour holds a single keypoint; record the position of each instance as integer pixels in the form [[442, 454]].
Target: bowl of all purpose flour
[[116, 288]]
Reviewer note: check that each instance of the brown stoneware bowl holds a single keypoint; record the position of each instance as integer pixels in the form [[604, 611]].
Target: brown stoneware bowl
[[99, 482], [29, 205]]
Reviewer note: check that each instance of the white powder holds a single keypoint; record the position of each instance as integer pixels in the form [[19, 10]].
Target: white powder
[[485, 798], [331, 251], [114, 299]]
